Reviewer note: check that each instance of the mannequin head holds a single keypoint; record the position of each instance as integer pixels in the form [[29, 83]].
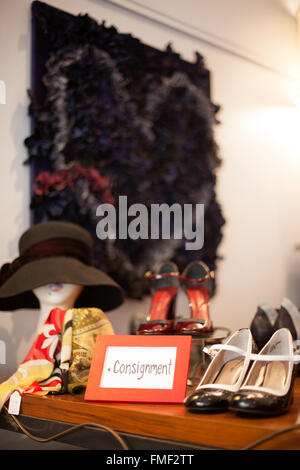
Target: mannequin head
[[58, 295], [55, 295]]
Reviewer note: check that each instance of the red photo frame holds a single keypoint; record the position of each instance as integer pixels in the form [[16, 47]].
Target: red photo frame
[[103, 385]]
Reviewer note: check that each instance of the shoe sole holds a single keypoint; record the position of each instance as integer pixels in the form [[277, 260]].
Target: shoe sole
[[258, 413]]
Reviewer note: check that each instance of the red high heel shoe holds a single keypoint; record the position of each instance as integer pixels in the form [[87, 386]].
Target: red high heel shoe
[[197, 283], [165, 285]]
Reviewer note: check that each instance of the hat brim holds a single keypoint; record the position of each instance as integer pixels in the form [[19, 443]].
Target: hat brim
[[100, 290]]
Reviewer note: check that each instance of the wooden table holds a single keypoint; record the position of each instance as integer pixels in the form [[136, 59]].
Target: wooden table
[[156, 426]]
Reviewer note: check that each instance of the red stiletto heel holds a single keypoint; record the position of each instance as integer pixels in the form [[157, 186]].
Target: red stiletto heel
[[164, 286], [197, 283]]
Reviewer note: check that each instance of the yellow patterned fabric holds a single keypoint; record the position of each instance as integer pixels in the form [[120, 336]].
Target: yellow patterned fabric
[[87, 324], [59, 359]]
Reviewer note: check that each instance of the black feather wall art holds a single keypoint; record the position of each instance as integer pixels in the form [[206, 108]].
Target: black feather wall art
[[114, 117]]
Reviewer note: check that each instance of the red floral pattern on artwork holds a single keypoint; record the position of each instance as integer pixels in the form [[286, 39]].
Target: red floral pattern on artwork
[[47, 182]]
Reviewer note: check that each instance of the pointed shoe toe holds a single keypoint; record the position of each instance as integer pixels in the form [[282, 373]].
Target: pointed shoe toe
[[209, 401], [260, 403], [162, 327]]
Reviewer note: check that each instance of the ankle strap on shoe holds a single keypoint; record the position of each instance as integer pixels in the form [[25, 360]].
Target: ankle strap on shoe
[[214, 348], [210, 275], [152, 276]]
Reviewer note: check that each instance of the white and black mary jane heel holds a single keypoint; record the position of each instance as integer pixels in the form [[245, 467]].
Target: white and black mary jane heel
[[268, 387], [224, 375]]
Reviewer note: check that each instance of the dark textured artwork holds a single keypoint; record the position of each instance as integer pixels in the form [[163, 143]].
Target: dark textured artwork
[[112, 116]]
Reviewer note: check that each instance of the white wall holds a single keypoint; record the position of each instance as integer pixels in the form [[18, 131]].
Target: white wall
[[258, 184]]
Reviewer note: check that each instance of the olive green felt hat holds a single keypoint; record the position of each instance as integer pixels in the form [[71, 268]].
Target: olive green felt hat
[[56, 252]]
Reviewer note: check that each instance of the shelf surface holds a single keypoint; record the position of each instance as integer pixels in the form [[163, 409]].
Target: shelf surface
[[171, 422]]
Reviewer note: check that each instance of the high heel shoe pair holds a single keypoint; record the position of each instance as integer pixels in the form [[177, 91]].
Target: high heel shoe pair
[[196, 280], [268, 319], [246, 382]]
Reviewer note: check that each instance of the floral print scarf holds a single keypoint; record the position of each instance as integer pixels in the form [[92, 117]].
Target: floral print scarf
[[60, 357]]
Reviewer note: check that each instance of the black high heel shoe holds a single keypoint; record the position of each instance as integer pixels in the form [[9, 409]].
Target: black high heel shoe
[[263, 324], [224, 374], [288, 317], [267, 390]]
